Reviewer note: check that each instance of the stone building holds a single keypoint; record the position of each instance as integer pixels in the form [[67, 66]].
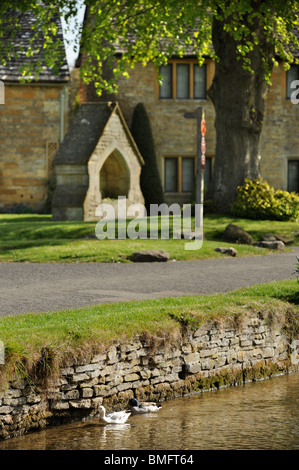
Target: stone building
[[280, 135], [33, 120], [33, 124], [97, 157], [184, 90], [175, 136]]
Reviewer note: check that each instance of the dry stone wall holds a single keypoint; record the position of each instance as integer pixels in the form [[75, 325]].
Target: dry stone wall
[[212, 356]]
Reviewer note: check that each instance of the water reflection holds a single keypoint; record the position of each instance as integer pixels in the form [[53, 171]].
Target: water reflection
[[260, 415]]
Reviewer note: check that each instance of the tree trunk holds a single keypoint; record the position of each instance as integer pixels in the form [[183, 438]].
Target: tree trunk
[[239, 99]]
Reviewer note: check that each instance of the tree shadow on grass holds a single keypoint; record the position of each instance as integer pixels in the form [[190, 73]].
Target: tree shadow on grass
[[23, 244], [24, 218]]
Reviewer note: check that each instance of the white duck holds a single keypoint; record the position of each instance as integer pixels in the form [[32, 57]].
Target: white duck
[[143, 407], [116, 417]]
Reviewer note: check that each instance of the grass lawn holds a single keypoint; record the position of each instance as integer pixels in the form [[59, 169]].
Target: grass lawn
[[36, 238]]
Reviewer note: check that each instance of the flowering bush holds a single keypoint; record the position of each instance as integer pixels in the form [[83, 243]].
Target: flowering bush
[[258, 200]]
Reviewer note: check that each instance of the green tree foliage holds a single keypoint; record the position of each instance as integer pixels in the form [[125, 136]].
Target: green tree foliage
[[258, 200], [150, 182], [150, 30]]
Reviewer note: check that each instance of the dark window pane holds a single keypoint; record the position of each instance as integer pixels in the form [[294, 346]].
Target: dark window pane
[[182, 81], [292, 74], [199, 82], [293, 175], [166, 87], [187, 174], [171, 175]]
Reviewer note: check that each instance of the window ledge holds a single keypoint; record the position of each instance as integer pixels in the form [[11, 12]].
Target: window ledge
[[186, 193], [182, 100]]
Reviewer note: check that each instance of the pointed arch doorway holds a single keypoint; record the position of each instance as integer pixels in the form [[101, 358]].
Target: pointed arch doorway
[[114, 177]]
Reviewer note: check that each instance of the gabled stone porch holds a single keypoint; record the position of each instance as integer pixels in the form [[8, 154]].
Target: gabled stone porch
[[97, 160]]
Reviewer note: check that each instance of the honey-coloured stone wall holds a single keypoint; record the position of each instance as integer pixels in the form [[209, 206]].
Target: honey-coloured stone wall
[[32, 120]]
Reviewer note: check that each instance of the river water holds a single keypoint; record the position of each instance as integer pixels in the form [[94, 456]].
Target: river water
[[260, 415]]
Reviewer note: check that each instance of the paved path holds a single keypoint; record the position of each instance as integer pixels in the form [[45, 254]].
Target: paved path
[[34, 287]]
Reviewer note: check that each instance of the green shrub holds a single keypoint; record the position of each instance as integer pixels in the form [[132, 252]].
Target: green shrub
[[258, 200]]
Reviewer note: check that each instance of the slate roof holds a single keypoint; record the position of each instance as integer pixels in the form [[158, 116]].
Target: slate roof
[[21, 42], [85, 131]]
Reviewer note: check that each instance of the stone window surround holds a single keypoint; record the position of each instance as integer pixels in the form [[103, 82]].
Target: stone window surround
[[192, 62], [286, 159], [287, 90], [179, 168]]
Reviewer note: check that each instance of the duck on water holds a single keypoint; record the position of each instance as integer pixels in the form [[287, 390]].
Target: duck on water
[[143, 407]]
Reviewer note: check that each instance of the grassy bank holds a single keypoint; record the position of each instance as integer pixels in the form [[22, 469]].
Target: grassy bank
[[36, 238], [82, 332]]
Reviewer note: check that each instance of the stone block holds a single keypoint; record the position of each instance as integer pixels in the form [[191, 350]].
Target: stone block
[[88, 383], [61, 405], [100, 390], [126, 386], [81, 404], [231, 356], [99, 358], [4, 410], [15, 401], [79, 377], [66, 387], [71, 395], [95, 402], [207, 352], [87, 392], [268, 352], [194, 368], [95, 373], [131, 377], [87, 367], [193, 357], [67, 371], [245, 343]]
